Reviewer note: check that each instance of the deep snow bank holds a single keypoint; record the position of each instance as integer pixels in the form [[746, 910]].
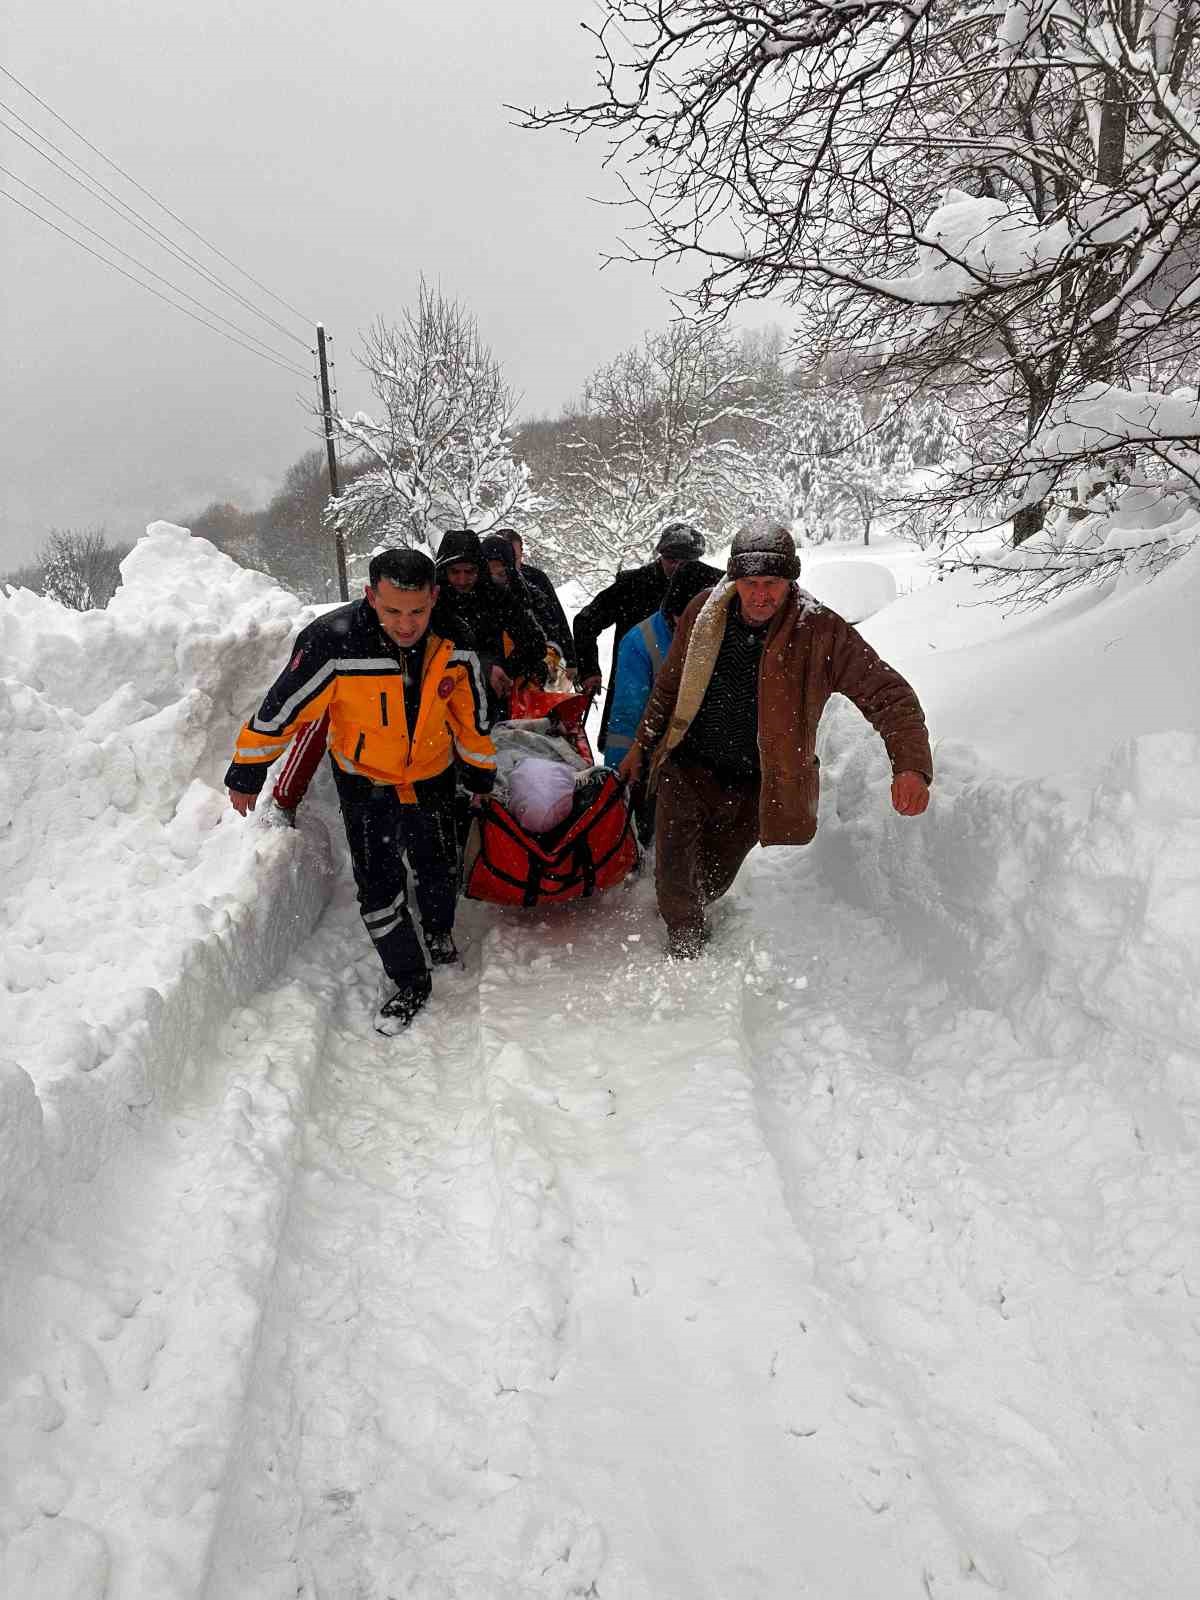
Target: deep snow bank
[[1050, 693], [854, 589], [1060, 861], [1057, 919], [136, 907]]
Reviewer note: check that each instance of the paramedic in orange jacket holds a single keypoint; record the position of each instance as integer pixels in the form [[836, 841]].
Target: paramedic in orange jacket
[[403, 703]]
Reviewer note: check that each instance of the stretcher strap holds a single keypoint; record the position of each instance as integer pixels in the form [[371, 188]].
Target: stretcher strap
[[532, 883], [583, 853]]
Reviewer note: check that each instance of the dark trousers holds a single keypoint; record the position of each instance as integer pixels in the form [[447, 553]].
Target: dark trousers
[[706, 827], [383, 834]]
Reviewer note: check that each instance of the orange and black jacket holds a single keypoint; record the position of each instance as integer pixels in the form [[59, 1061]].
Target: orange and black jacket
[[344, 664]]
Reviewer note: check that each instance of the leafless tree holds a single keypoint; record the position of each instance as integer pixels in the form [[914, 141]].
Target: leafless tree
[[233, 531], [31, 577], [438, 451], [671, 430], [1070, 554], [998, 204]]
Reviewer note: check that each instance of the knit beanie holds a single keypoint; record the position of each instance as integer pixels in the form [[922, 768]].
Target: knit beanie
[[763, 550], [680, 540]]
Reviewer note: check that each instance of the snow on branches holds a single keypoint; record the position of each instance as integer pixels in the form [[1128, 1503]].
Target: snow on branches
[[674, 429], [997, 204], [438, 453], [844, 455]]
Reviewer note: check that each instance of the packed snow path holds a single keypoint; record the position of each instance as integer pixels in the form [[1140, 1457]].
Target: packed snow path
[[787, 1273]]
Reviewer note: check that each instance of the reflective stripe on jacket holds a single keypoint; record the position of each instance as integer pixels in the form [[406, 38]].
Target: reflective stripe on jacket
[[344, 664]]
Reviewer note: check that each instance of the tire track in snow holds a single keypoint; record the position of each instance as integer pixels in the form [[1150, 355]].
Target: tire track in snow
[[130, 1352], [955, 1186], [621, 1279], [710, 1410], [391, 1443]]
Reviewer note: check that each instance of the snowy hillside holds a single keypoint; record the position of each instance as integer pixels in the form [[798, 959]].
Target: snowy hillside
[[859, 1259]]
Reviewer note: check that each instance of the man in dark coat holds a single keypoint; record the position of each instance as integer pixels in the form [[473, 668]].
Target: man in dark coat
[[554, 620], [732, 727], [631, 597], [508, 637], [641, 658], [500, 565]]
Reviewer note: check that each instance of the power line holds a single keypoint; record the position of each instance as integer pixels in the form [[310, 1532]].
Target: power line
[[141, 265], [128, 213], [149, 229], [162, 207], [212, 327]]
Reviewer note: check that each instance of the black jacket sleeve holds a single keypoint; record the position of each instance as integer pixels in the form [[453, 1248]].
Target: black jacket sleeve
[[554, 618], [527, 658], [452, 625], [604, 611]]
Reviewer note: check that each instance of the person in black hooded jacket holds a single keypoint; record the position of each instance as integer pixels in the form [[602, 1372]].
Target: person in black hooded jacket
[[554, 618], [508, 637], [503, 571]]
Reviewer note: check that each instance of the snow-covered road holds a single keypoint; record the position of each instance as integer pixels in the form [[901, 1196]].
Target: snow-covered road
[[781, 1274], [859, 1260]]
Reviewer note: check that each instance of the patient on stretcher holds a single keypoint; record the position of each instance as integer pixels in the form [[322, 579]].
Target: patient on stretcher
[[542, 780]]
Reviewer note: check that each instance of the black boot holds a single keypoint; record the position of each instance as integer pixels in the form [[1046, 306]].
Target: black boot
[[441, 949], [395, 1014]]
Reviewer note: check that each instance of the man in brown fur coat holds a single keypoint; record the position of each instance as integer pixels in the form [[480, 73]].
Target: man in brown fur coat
[[732, 726]]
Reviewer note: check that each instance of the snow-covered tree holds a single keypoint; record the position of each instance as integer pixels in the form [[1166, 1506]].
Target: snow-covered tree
[[437, 452], [81, 570], [1000, 202], [671, 430], [847, 458]]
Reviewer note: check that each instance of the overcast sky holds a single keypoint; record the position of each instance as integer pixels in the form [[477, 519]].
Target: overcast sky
[[333, 152]]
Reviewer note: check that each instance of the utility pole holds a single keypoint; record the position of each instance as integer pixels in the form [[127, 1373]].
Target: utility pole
[[339, 544]]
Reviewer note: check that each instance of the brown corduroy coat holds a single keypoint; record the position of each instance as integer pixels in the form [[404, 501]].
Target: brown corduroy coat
[[810, 653]]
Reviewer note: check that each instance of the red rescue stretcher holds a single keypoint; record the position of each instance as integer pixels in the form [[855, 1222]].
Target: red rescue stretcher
[[569, 711], [507, 866]]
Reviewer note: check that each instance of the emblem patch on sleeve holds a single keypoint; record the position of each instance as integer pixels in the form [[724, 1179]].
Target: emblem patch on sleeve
[[296, 660], [445, 688]]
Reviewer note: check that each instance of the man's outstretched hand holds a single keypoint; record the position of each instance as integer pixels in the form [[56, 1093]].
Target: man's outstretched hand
[[910, 794], [242, 803]]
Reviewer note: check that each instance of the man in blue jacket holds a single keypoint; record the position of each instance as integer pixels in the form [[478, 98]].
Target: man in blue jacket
[[639, 659], [629, 598]]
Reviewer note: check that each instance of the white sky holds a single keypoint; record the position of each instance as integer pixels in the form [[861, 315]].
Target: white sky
[[335, 153]]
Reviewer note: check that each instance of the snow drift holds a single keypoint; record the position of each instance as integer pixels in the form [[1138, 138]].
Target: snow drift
[[1063, 864], [136, 908]]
